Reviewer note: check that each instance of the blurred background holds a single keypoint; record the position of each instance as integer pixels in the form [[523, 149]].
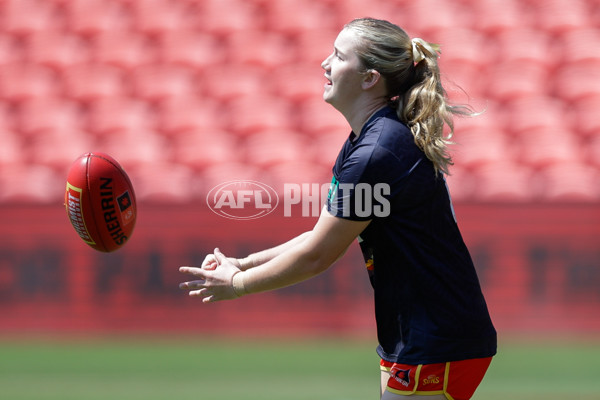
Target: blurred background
[[188, 94]]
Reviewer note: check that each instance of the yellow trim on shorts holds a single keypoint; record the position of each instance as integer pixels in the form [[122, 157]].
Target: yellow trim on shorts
[[444, 390]]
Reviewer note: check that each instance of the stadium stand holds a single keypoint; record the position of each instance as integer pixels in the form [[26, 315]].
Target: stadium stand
[[227, 89]]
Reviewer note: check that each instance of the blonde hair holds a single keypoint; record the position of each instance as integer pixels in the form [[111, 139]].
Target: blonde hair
[[413, 84]]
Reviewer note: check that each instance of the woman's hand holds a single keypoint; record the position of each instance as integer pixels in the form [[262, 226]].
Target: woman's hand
[[214, 278]]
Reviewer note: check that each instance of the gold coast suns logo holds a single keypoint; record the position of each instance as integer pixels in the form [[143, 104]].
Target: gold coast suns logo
[[431, 379]]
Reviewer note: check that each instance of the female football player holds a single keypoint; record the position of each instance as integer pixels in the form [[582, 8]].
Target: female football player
[[388, 190]]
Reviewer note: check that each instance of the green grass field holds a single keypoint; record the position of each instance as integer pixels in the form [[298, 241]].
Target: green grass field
[[205, 368]]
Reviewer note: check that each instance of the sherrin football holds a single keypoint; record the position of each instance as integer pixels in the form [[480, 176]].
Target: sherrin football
[[100, 201]]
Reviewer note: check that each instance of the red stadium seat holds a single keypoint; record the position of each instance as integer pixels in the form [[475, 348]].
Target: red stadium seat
[[576, 81], [90, 82], [225, 171], [462, 45], [532, 112], [505, 182], [161, 182], [33, 183], [461, 183], [513, 79], [155, 17], [559, 16], [592, 151], [299, 82], [23, 81], [199, 149], [12, 148], [494, 16], [431, 19], [23, 17], [222, 17], [316, 117], [297, 173], [540, 147], [234, 80], [312, 47], [571, 181], [255, 113], [37, 116], [475, 147], [191, 49], [55, 49], [11, 49], [576, 46], [135, 147], [92, 17], [58, 148], [268, 148], [121, 48], [179, 114], [157, 82], [585, 116], [525, 44], [294, 16], [325, 147], [259, 47], [110, 115]]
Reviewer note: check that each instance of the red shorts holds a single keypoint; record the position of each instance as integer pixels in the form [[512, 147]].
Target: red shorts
[[457, 380]]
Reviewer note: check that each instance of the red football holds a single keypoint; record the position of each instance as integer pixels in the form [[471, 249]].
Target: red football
[[100, 201]]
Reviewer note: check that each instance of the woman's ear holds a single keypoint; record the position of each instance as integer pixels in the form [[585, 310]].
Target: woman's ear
[[370, 79]]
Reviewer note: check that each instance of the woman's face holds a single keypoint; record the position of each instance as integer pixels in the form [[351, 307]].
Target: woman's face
[[343, 72]]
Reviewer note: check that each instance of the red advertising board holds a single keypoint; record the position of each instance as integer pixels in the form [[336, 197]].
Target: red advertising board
[[539, 265]]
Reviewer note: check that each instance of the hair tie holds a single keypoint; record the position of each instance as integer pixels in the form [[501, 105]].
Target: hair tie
[[421, 49]]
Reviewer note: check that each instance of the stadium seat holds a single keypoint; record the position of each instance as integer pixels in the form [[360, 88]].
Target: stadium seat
[[161, 182], [312, 47], [494, 16], [110, 115], [200, 149], [155, 17], [255, 113], [591, 151], [505, 182], [36, 116], [135, 147], [23, 17], [297, 173], [293, 16], [12, 148], [223, 17], [542, 146], [181, 113], [262, 48], [157, 82], [23, 81], [461, 183], [525, 44], [191, 49], [90, 82], [58, 148], [324, 148], [55, 49], [316, 118], [531, 112], [559, 16], [510, 80], [576, 46], [44, 185], [571, 181], [585, 116], [475, 147], [124, 49], [93, 17], [463, 81], [462, 45], [267, 148], [576, 81], [299, 82], [225, 171], [234, 80], [433, 19]]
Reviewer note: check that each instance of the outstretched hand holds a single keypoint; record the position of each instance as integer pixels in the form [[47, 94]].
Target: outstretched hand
[[214, 278]]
